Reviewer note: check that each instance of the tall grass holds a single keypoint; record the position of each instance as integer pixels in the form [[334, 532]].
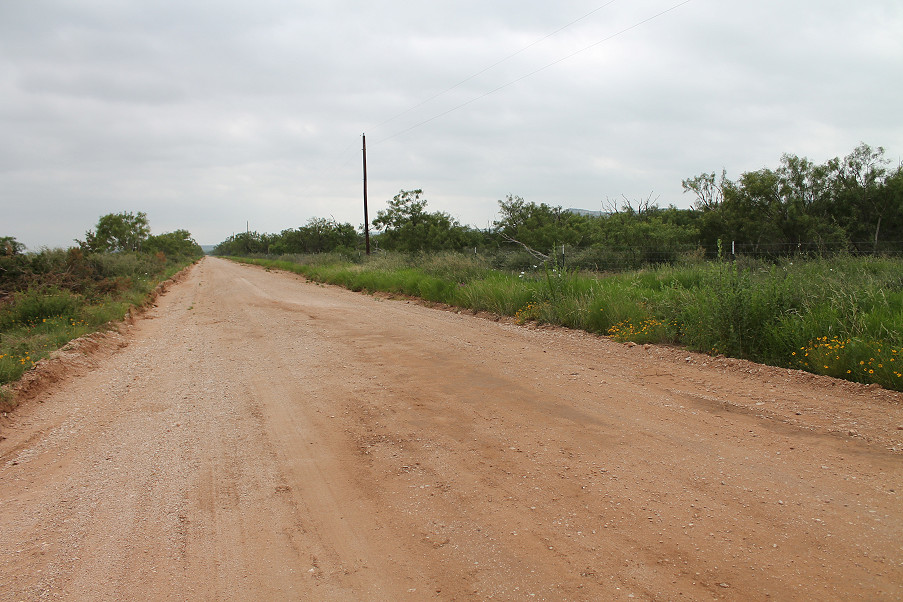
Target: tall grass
[[841, 317]]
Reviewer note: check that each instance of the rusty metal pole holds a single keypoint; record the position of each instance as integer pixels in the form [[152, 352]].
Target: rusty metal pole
[[366, 217]]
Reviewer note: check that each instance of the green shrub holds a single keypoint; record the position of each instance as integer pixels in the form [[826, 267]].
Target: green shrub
[[117, 265], [32, 307]]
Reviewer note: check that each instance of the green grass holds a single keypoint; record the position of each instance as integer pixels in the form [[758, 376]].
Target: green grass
[[841, 317]]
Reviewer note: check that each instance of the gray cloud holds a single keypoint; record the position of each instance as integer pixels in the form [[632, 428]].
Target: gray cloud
[[211, 115]]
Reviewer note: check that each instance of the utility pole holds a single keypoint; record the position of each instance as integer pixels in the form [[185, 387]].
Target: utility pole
[[366, 217]]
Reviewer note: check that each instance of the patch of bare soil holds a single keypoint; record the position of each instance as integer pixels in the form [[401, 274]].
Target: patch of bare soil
[[262, 437]]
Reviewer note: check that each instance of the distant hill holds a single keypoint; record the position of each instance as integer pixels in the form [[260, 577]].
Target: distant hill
[[208, 249], [588, 212]]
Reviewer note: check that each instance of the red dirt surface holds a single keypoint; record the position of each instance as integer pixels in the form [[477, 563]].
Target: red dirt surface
[[258, 437]]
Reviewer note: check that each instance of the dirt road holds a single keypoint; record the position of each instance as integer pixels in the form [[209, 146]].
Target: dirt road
[[264, 438]]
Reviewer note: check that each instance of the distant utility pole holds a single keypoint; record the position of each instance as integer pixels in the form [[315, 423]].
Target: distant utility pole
[[366, 217]]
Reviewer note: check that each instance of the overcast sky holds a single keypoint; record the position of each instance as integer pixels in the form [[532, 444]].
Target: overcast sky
[[211, 115]]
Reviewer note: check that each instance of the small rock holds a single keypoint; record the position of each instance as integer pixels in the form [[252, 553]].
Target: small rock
[[724, 585]]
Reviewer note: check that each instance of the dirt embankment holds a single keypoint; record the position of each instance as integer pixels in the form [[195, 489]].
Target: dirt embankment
[[261, 437]]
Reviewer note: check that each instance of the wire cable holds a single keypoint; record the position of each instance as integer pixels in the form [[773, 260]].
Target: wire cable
[[492, 66], [532, 73]]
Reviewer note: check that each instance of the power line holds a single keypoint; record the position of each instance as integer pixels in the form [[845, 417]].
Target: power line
[[530, 74], [345, 158], [492, 66]]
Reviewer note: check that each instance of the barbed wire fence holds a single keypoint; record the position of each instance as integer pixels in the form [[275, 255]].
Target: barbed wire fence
[[615, 258]]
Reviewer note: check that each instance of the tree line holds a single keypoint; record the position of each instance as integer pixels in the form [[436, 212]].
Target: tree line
[[130, 232], [850, 204], [119, 246], [854, 202]]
